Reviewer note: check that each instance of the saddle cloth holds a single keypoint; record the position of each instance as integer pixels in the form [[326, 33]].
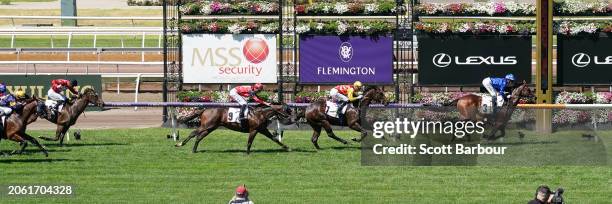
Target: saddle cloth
[[233, 115], [486, 106], [331, 109], [50, 104]]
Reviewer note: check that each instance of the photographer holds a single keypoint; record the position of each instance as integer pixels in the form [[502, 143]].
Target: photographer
[[545, 195]]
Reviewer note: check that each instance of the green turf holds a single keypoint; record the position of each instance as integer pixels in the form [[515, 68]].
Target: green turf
[[142, 166]]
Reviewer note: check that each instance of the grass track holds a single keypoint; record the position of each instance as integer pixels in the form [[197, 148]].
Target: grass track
[[141, 166]]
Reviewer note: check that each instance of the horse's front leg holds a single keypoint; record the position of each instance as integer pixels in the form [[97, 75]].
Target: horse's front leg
[[252, 134], [357, 127], [270, 136], [58, 132]]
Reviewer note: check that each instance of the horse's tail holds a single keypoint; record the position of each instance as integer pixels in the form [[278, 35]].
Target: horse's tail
[[191, 116]]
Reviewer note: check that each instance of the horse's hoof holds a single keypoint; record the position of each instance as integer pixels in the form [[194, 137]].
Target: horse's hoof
[[288, 149], [178, 145]]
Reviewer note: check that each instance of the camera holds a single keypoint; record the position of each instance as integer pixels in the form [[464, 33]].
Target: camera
[[557, 196]]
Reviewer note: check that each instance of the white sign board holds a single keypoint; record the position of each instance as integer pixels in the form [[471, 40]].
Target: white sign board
[[228, 58]]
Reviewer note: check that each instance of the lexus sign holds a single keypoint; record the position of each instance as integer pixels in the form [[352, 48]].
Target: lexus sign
[[466, 60], [584, 60]]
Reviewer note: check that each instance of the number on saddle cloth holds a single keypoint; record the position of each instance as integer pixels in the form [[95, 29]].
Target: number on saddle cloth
[[233, 114]]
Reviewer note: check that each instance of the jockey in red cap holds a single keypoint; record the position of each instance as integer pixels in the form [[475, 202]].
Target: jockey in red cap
[[241, 94], [56, 92]]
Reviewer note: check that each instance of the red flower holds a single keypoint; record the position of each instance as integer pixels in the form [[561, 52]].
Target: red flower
[[300, 9]]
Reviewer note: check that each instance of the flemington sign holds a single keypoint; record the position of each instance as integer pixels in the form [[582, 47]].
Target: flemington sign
[[38, 85], [466, 60], [585, 60], [345, 59]]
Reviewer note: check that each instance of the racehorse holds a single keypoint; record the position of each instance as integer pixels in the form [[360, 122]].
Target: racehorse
[[317, 118], [257, 122], [69, 114], [15, 125], [468, 107]]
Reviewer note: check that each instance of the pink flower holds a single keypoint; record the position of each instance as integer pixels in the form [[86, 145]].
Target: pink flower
[[500, 8]]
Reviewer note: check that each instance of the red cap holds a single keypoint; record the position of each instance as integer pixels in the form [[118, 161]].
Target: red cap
[[241, 190]]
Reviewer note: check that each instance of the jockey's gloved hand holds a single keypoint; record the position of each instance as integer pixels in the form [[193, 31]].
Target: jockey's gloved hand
[[359, 97]]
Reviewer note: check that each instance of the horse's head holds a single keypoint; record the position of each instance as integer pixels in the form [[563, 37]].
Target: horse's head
[[283, 113], [92, 97], [522, 90], [374, 94]]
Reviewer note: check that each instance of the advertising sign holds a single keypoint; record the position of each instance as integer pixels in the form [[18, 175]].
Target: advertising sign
[[339, 59], [38, 85], [466, 60], [584, 60], [227, 58]]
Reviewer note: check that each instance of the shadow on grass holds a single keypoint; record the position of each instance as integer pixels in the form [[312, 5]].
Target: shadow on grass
[[345, 147], [49, 150], [10, 160], [256, 151], [85, 144]]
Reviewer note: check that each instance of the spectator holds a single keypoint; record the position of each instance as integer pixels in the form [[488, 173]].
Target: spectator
[[242, 196], [542, 195]]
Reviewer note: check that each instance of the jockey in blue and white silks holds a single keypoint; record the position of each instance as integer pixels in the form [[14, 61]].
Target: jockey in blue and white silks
[[497, 86], [7, 101]]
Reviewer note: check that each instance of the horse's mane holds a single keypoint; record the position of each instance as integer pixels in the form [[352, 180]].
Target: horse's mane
[[369, 87]]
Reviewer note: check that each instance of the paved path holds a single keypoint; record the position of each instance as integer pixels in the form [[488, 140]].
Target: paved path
[[81, 4]]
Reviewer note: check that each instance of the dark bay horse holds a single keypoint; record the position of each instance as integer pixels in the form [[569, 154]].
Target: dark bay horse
[[258, 120], [15, 128], [69, 114], [317, 118], [468, 107]]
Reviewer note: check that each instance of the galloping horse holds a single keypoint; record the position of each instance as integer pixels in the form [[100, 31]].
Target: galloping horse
[[257, 122], [468, 107], [15, 128], [69, 114], [317, 118]]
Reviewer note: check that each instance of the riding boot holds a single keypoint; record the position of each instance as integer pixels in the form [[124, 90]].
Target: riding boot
[[242, 117], [340, 113]]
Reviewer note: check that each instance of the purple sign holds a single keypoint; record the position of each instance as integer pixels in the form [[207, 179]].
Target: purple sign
[[340, 59]]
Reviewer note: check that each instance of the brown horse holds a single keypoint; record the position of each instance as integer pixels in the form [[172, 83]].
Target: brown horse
[[69, 114], [15, 128], [317, 118], [468, 107], [257, 122]]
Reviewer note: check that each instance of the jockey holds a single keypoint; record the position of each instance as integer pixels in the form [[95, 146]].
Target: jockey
[[343, 94], [7, 101], [241, 94], [55, 93], [497, 86]]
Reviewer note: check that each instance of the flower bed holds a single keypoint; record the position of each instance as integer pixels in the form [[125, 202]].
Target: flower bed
[[382, 8], [582, 8], [144, 2], [223, 8], [476, 9], [345, 27], [577, 28], [234, 27], [522, 28]]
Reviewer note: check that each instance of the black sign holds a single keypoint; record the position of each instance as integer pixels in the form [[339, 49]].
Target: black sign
[[584, 60], [467, 60]]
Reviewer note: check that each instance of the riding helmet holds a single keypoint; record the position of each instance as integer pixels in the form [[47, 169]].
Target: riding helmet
[[258, 86], [74, 82], [2, 88], [510, 77]]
